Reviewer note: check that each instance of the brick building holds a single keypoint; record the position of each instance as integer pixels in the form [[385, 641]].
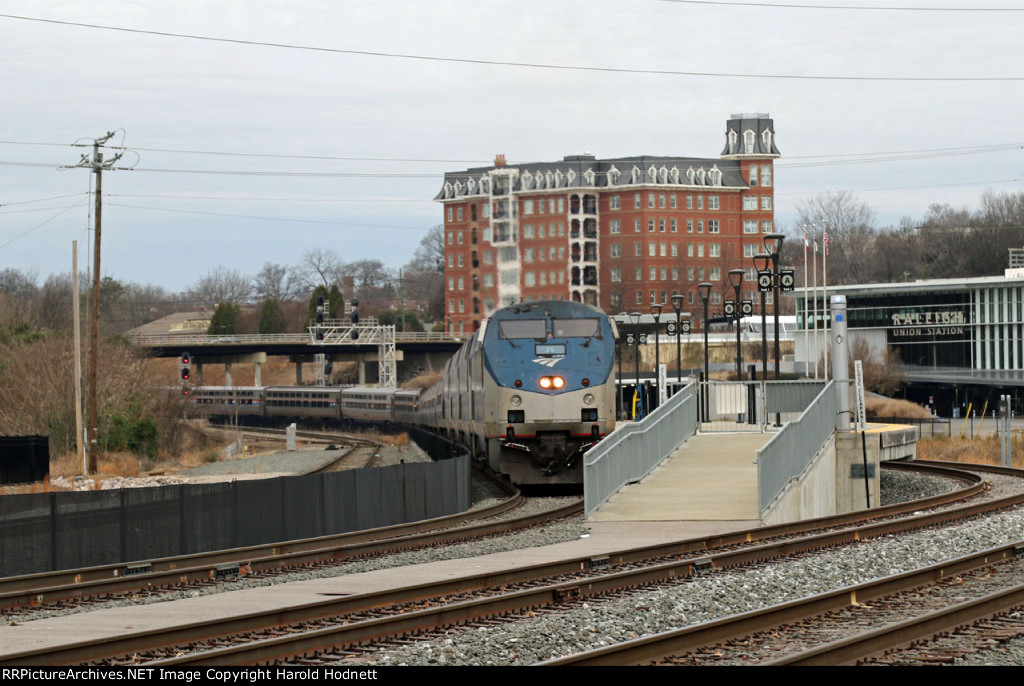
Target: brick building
[[618, 233]]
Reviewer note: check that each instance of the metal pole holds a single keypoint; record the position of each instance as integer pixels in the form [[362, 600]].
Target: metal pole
[[679, 355], [707, 380], [636, 358], [618, 385]]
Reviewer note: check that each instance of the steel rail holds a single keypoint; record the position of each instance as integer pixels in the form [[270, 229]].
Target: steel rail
[[33, 590], [250, 652], [650, 649], [850, 650]]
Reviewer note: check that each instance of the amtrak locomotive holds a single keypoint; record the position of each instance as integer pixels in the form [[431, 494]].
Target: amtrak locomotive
[[529, 392]]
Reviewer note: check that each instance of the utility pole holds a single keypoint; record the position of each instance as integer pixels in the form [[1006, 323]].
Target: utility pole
[[97, 165]]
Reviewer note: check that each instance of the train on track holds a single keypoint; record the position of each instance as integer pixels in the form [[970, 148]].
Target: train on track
[[529, 392]]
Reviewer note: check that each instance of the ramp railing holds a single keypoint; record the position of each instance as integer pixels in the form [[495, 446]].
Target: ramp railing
[[789, 451], [631, 451]]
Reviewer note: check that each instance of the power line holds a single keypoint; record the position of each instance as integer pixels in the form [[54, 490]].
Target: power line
[[528, 65], [871, 8], [260, 198], [276, 219], [42, 223]]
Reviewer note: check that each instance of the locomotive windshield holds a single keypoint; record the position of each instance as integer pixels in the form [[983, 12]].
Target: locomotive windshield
[[576, 328], [523, 328]]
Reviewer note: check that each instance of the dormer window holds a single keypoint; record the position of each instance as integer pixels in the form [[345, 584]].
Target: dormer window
[[715, 175], [732, 141], [766, 138], [690, 174], [589, 177], [652, 174], [748, 141], [663, 174], [527, 180], [636, 174], [674, 174], [570, 177], [613, 176]]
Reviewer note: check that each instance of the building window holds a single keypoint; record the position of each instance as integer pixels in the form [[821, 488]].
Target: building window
[[486, 210], [639, 274], [488, 257], [675, 274], [750, 202], [664, 273], [663, 249], [713, 226], [714, 250], [451, 260], [661, 200], [636, 225], [749, 249], [700, 250], [528, 231], [451, 283], [616, 226], [675, 250], [460, 259], [543, 278], [615, 203], [458, 214], [636, 201], [766, 202], [675, 225], [716, 298], [639, 297], [753, 175], [529, 279], [616, 250], [689, 201], [766, 226], [616, 274], [542, 206], [653, 274], [700, 273], [462, 306], [672, 201], [749, 226], [488, 280], [451, 236], [561, 204], [661, 225], [700, 202], [700, 226], [689, 226], [460, 238], [652, 250], [689, 249], [527, 207], [748, 141], [713, 202], [528, 255], [542, 231], [637, 250], [462, 284], [451, 214], [766, 176], [689, 273], [650, 200], [650, 226]]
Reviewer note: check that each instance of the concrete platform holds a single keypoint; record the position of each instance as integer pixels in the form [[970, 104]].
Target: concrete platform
[[711, 478]]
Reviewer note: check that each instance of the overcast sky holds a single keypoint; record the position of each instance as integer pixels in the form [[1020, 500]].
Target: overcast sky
[[907, 80]]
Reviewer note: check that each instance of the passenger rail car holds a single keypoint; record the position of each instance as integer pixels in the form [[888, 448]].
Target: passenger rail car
[[529, 392]]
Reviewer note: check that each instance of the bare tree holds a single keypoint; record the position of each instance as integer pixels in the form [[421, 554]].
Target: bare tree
[[276, 282], [321, 267], [424, 274], [220, 285], [850, 224]]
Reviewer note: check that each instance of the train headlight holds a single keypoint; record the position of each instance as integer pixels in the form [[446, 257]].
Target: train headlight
[[588, 399], [545, 382], [516, 401], [549, 382]]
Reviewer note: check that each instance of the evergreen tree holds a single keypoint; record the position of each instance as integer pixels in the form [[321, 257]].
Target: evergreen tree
[[223, 321]]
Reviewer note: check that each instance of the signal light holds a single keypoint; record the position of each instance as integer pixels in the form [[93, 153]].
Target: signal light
[[355, 317], [185, 374], [319, 335], [355, 335], [320, 301], [319, 317], [184, 390], [186, 359], [549, 382]]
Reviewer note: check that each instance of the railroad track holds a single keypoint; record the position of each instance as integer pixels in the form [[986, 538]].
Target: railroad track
[[336, 629]]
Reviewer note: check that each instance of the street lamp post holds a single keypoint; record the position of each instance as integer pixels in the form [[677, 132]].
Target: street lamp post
[[618, 385], [704, 290], [736, 280], [634, 317], [761, 264], [773, 246], [656, 313], [677, 305]]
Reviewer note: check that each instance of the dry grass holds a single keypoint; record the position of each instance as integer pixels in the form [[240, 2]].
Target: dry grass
[[980, 450], [886, 408], [425, 380]]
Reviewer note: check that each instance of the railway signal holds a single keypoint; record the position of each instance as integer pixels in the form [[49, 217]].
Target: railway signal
[[184, 363]]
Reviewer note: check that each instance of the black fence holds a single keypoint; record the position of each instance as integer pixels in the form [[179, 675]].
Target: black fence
[[24, 459], [42, 532]]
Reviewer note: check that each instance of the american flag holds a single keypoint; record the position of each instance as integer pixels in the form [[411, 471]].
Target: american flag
[[826, 243]]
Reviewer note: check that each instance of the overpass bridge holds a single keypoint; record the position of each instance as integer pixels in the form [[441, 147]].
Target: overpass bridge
[[374, 344]]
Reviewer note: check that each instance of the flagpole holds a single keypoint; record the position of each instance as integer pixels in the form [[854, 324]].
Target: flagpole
[[807, 328], [824, 289], [814, 277]]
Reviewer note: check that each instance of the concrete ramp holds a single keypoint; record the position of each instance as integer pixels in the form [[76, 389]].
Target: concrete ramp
[[711, 479]]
